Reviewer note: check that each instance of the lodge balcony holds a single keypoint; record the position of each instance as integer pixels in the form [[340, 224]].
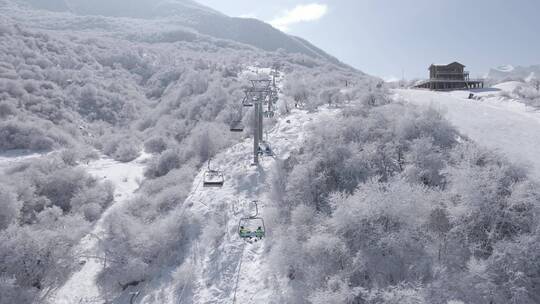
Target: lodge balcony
[[451, 84], [451, 75]]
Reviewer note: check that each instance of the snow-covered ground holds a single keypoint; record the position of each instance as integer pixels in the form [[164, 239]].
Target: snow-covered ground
[[234, 271], [508, 126], [509, 86], [126, 177], [81, 286]]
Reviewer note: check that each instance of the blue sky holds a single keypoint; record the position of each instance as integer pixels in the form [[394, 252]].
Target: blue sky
[[386, 37]]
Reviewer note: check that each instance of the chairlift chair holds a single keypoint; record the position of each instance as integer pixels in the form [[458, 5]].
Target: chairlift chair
[[265, 149], [237, 126], [248, 100], [213, 178], [251, 228]]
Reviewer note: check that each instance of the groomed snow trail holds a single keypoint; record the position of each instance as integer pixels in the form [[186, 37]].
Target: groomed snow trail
[[233, 268], [493, 122], [81, 286]]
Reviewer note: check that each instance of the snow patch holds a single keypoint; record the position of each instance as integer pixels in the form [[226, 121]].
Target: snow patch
[[509, 86], [81, 287]]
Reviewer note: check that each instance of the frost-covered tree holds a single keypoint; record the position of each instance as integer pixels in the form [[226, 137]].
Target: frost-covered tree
[[10, 207], [402, 213]]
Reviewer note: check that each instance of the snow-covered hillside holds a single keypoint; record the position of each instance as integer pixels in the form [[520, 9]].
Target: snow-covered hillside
[[186, 14], [109, 117], [233, 270], [81, 287], [495, 122], [71, 84], [508, 86]]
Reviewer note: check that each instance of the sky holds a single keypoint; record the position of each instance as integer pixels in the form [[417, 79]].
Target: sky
[[391, 38]]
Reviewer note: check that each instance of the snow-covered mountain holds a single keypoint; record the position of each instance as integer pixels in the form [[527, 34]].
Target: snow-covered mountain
[[52, 5], [139, 8], [192, 15], [509, 73]]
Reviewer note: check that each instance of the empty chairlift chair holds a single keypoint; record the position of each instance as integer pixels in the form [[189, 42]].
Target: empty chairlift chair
[[213, 178], [236, 124], [249, 100]]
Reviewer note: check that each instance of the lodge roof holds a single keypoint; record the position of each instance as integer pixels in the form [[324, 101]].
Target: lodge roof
[[445, 65]]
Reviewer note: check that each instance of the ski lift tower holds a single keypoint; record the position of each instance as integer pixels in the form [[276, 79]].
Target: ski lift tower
[[274, 94], [261, 93]]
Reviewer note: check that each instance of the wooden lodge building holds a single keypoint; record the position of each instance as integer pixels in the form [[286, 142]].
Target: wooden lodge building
[[449, 77]]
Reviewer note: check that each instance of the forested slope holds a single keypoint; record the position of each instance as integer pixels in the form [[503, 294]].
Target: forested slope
[[192, 15], [392, 205], [80, 86]]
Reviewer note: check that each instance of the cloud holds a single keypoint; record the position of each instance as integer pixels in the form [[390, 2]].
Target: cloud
[[301, 13]]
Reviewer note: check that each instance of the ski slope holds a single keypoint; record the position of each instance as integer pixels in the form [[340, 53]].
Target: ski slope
[[81, 286], [497, 123], [232, 270]]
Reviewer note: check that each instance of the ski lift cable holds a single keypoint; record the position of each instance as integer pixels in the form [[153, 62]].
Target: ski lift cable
[[238, 273], [195, 257], [195, 254], [189, 198], [193, 260]]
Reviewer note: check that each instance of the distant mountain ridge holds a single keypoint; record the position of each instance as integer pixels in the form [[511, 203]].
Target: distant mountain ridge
[[191, 14], [52, 5], [508, 73]]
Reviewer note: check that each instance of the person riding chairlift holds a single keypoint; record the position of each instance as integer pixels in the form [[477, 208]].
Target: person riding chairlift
[[244, 232], [259, 233]]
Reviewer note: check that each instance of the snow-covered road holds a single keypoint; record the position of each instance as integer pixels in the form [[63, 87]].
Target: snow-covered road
[[494, 122]]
